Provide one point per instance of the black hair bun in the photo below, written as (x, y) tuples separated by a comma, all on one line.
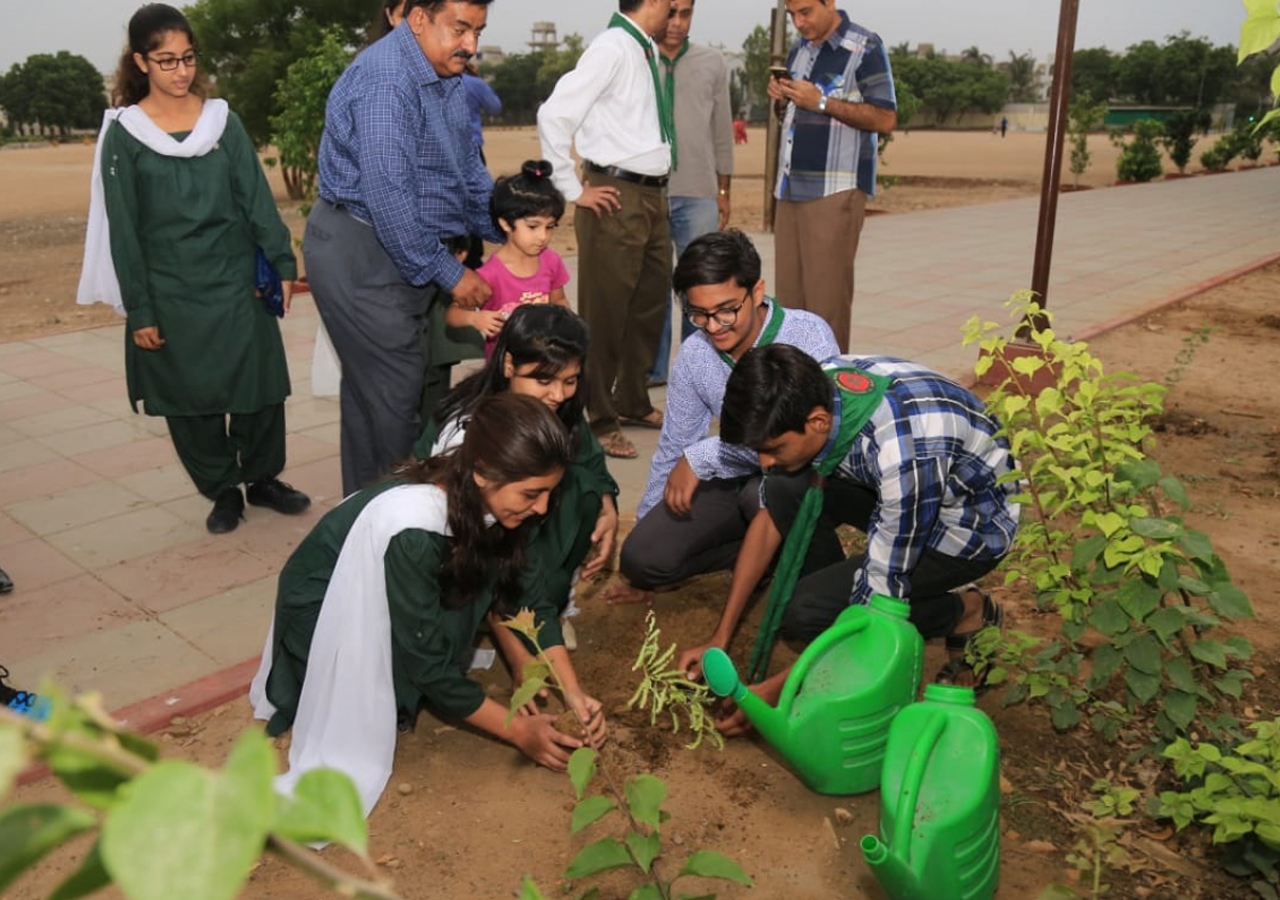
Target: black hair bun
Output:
[(536, 168)]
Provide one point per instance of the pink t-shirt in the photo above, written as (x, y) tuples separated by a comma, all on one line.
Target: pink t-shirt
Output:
[(510, 291)]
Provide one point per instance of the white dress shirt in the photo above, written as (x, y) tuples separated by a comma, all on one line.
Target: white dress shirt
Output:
[(608, 106)]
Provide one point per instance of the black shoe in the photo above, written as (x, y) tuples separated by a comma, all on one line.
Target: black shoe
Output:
[(228, 510), (6, 583), (279, 496)]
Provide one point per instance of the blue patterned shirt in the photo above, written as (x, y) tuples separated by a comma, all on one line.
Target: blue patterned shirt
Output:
[(822, 156), (695, 394), (931, 453), (397, 152)]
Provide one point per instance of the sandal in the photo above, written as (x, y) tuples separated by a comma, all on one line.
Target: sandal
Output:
[(615, 444), (957, 643), (651, 419)]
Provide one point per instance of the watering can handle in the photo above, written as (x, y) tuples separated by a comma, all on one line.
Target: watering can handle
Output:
[(837, 632), (909, 791)]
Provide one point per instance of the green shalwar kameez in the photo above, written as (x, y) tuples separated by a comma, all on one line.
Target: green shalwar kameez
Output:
[(431, 643), (183, 237)]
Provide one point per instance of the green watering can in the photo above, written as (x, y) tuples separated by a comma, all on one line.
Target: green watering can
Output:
[(939, 802), (832, 719)]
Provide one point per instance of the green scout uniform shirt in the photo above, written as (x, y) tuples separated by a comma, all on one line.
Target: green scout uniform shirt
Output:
[(183, 238)]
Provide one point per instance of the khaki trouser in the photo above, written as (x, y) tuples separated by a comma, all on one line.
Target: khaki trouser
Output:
[(815, 243), (624, 279)]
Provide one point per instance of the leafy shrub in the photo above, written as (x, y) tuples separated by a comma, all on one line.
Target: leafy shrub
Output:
[(1139, 159), (1179, 137), (1214, 160), (1083, 117)]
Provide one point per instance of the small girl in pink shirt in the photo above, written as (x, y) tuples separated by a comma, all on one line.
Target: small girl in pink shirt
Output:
[(527, 207)]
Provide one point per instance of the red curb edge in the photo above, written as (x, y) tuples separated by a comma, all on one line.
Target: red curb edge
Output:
[(1110, 325), (154, 713)]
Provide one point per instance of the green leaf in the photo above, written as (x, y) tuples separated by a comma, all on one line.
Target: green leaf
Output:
[(1141, 474), (1106, 660), (582, 768), (1196, 544), (1109, 523), (30, 830), (1229, 686), (1086, 551), (1174, 490), (1180, 707), (1210, 652), (644, 848), (1156, 529), (1181, 676), (325, 807), (1167, 622), (90, 878), (13, 756), (85, 777), (527, 691), (1144, 687), (1109, 618), (1228, 600), (601, 856), (1238, 647), (1260, 30), (1138, 598), (1064, 717), (590, 810), (709, 864), (645, 794), (647, 891), (1144, 654), (182, 831), (529, 890)]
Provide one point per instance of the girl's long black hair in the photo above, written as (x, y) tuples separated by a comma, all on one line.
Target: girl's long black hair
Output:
[(510, 438), (147, 29)]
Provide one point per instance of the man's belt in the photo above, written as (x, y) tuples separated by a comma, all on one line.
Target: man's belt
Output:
[(657, 181)]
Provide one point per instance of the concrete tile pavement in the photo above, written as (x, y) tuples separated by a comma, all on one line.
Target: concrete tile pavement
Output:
[(120, 589)]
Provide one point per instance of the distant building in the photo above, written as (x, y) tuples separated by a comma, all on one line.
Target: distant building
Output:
[(490, 56), (544, 37)]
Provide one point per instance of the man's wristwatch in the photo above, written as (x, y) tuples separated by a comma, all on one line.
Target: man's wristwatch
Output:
[(822, 104)]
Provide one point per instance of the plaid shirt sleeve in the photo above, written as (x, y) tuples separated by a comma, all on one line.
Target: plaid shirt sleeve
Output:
[(875, 76)]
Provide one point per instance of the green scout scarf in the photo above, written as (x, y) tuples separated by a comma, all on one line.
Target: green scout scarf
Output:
[(767, 336), (669, 91), (857, 394), (666, 107)]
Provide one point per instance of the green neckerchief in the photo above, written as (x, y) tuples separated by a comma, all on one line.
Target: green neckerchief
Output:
[(767, 336), (669, 92), (855, 397), (666, 109)]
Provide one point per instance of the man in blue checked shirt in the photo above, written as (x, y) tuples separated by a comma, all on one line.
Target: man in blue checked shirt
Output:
[(916, 463), (399, 174), (838, 97), (701, 493)]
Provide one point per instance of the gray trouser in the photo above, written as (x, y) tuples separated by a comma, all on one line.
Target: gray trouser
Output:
[(665, 549), (375, 321)]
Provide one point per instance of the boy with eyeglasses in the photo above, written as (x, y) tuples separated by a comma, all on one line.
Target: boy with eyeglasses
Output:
[(702, 495)]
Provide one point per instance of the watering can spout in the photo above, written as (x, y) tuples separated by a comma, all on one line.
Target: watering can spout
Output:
[(895, 877), (723, 680)]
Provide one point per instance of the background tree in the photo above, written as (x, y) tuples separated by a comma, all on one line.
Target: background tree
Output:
[(516, 82), (1179, 137), (1022, 78), (1093, 73), (556, 63), (58, 92), (248, 46), (946, 88), (1083, 116), (301, 97), (737, 93), (974, 56), (755, 65)]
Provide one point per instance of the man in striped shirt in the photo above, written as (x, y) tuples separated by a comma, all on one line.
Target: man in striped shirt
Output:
[(927, 478), (838, 96)]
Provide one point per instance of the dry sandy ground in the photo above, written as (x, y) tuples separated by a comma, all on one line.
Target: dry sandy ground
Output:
[(46, 191)]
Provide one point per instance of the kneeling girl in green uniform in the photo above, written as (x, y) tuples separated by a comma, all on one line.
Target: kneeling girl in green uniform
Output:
[(540, 353), (378, 608)]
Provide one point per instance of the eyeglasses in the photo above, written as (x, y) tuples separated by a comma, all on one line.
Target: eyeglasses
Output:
[(725, 318), (169, 63)]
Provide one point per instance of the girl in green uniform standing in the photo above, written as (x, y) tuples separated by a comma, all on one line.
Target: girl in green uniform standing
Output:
[(187, 207), (540, 352), (378, 608)]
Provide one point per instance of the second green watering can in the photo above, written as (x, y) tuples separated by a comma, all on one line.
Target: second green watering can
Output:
[(832, 718)]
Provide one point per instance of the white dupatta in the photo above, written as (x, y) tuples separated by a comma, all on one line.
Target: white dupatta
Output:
[(98, 282)]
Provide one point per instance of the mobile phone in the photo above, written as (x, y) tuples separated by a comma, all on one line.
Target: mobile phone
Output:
[(782, 73)]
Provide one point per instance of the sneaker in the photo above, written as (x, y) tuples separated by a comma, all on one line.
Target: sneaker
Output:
[(277, 495), (24, 703), (228, 510)]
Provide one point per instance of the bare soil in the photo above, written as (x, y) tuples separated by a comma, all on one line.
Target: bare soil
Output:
[(465, 817)]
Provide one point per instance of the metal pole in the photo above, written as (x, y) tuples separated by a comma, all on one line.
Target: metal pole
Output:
[(1058, 97), (773, 133)]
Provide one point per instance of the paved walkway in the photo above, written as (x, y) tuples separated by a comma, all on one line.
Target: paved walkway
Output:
[(120, 589)]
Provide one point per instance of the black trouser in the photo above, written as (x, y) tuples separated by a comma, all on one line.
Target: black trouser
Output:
[(218, 456), (827, 580)]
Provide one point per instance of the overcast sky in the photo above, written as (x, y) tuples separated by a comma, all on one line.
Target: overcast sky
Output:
[(95, 29)]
